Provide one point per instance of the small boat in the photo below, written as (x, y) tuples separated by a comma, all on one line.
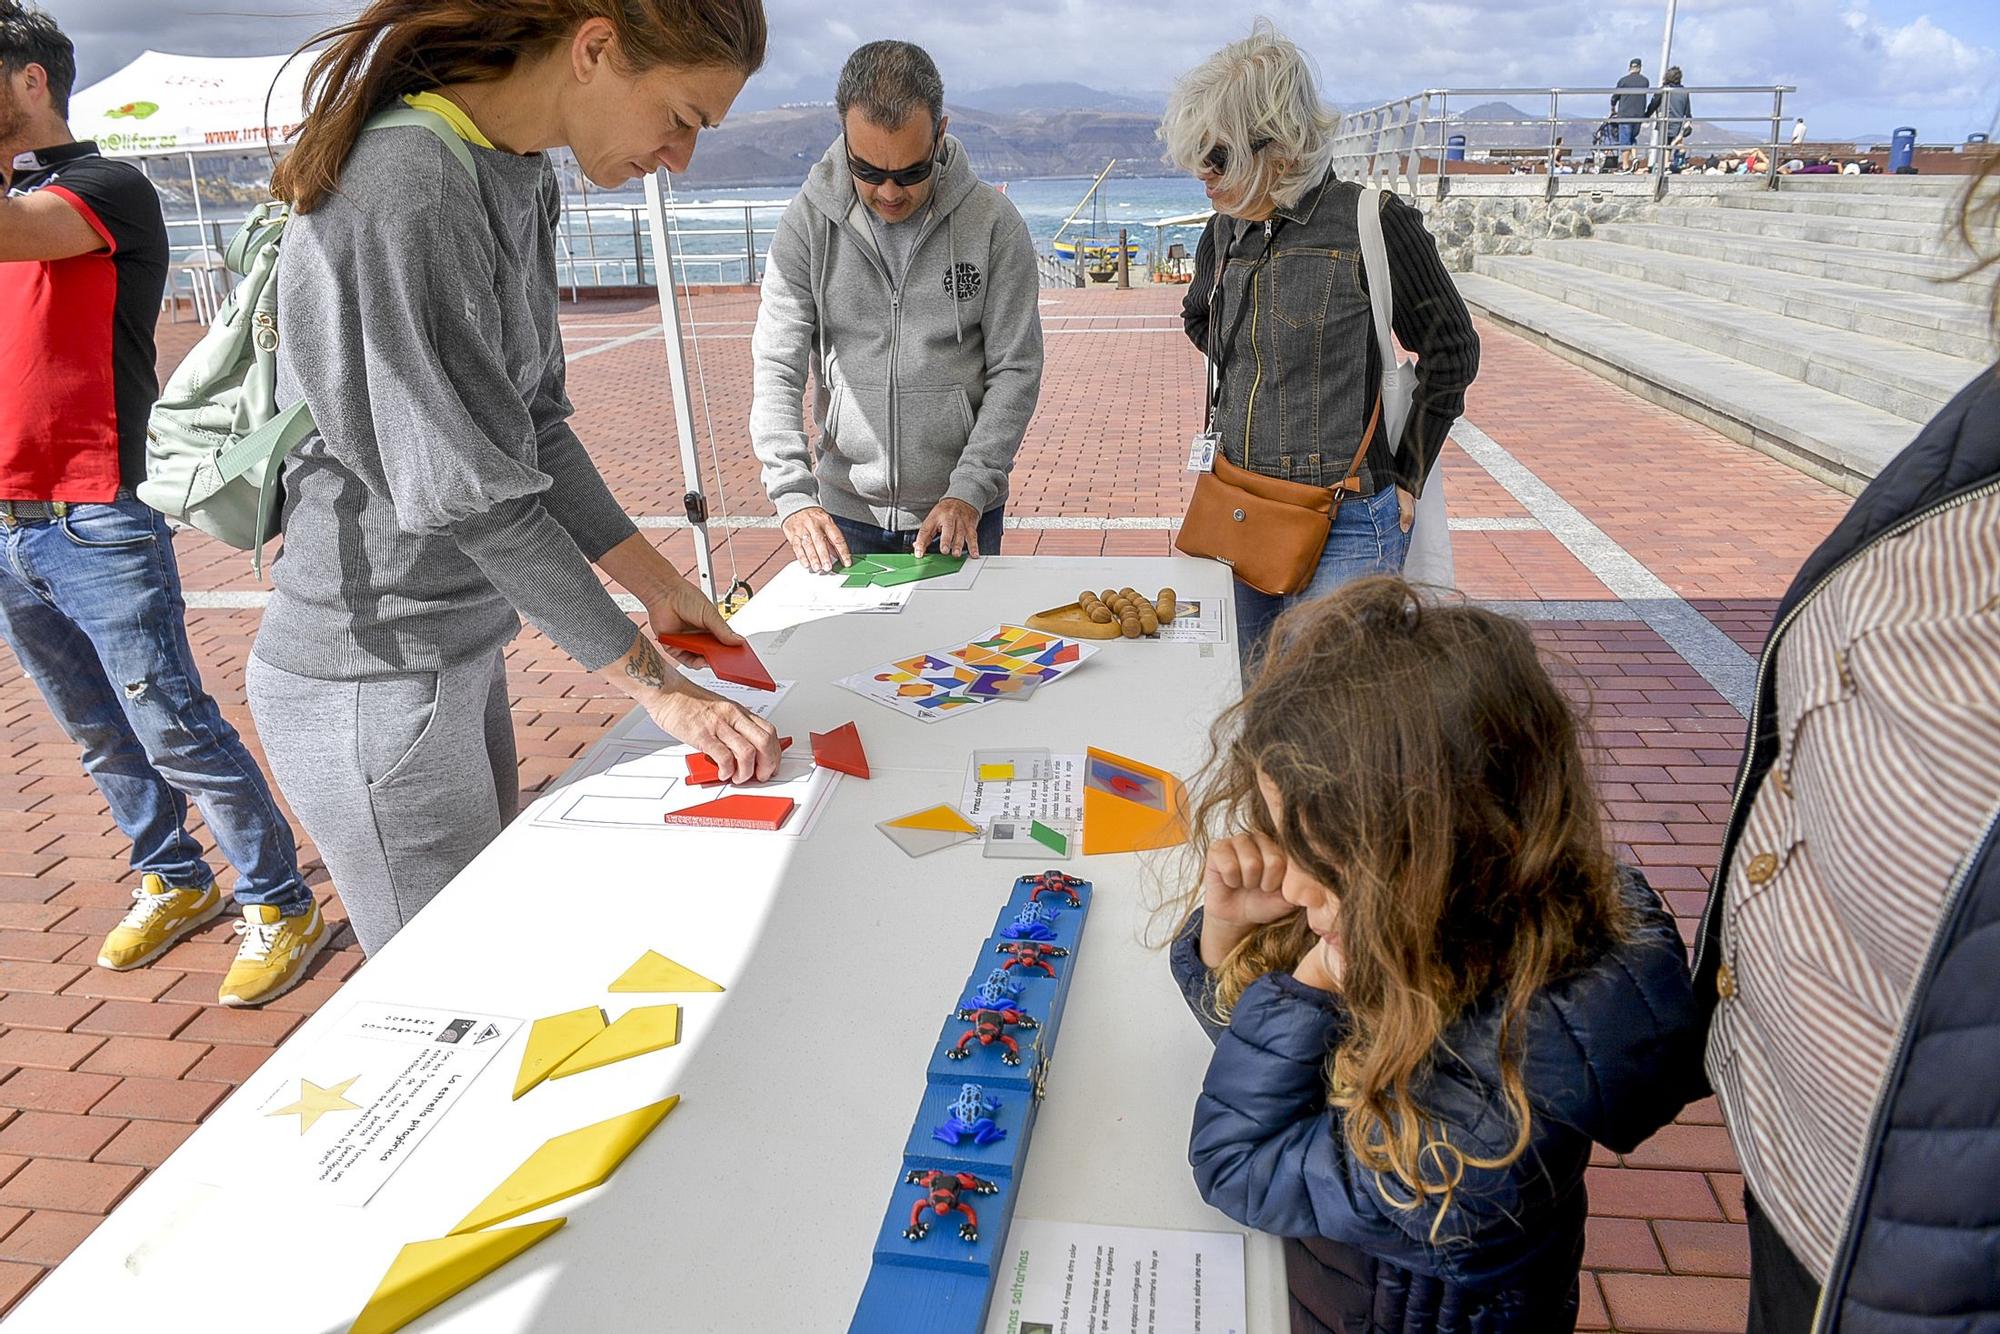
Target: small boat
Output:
[(1091, 248), (1097, 252)]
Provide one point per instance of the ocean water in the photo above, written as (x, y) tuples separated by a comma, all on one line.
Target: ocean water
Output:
[(599, 249)]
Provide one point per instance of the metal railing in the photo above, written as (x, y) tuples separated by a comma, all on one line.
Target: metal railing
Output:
[(597, 245), (1396, 144)]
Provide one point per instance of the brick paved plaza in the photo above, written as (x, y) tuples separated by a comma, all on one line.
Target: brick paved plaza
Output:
[(1648, 551)]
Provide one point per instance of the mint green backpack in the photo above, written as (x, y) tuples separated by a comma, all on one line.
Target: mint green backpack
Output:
[(216, 442)]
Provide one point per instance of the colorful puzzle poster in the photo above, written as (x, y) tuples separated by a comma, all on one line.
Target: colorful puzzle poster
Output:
[(996, 666)]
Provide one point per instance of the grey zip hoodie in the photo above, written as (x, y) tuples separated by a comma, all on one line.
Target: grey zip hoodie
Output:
[(923, 391)]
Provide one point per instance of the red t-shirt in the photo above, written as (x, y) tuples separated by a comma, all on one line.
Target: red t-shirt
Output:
[(77, 362)]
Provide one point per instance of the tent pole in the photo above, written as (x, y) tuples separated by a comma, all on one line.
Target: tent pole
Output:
[(204, 302), (695, 501)]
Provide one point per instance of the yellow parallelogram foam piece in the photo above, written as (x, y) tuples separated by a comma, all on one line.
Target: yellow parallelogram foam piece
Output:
[(941, 818), (656, 972), (554, 1040), (425, 1273), (633, 1033), (565, 1165)]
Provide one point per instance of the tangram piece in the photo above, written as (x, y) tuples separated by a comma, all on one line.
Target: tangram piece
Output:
[(702, 771), (1001, 685), (1129, 806), (737, 811), (934, 829), (902, 567), (567, 1164), (731, 662), (426, 1273), (656, 972), (633, 1033), (996, 773), (554, 1040), (840, 750), (1011, 766), (1025, 838)]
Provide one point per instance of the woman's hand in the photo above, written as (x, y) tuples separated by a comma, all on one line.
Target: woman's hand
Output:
[(1406, 509), (743, 746), (1240, 883)]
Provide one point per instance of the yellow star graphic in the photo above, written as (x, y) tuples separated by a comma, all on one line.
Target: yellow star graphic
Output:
[(315, 1102)]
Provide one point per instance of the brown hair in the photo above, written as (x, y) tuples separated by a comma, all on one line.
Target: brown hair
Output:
[(395, 47), (1979, 222), (1432, 776)]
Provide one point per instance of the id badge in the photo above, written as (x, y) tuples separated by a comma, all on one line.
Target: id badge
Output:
[(1201, 451)]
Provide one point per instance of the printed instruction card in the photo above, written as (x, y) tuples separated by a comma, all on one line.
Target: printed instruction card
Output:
[(1086, 1278)]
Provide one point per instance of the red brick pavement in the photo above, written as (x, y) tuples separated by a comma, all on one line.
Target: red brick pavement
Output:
[(102, 1075)]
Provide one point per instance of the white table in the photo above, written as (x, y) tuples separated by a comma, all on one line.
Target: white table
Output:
[(754, 1206)]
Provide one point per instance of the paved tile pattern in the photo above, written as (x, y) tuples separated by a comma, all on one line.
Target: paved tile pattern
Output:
[(102, 1075)]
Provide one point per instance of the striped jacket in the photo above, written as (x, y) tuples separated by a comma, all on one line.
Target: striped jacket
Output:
[(1917, 1249)]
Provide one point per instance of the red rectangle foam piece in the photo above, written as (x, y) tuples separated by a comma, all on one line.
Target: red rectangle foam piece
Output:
[(702, 771), (737, 811), (840, 750), (731, 662)]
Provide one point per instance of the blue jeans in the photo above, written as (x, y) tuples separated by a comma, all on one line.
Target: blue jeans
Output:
[(865, 539), (92, 599), (1367, 538)]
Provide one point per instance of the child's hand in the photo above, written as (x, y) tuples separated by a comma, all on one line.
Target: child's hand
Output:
[(1322, 967), (1241, 880)]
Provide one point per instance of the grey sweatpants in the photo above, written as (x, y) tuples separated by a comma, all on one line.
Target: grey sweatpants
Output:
[(400, 781)]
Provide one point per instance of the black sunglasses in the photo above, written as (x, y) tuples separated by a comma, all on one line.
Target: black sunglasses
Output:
[(916, 174), (1217, 161)]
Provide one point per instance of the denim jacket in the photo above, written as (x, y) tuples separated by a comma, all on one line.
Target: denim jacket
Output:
[(1286, 315)]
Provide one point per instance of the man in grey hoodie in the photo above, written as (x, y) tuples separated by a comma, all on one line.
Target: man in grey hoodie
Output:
[(909, 290)]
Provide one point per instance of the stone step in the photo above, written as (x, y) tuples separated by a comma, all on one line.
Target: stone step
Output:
[(1897, 187), (1937, 323), (1936, 211), (1841, 442), (1886, 269), (1909, 238), (1912, 383)]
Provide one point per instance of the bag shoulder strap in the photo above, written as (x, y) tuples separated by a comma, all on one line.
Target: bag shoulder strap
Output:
[(1381, 287), (400, 114)]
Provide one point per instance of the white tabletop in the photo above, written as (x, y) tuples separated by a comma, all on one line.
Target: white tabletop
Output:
[(754, 1206)]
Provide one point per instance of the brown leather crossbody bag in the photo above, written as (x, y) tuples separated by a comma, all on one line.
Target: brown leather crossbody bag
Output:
[(1270, 532)]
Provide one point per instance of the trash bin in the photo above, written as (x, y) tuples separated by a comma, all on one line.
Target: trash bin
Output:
[(1902, 147), (1454, 148), (1976, 137)]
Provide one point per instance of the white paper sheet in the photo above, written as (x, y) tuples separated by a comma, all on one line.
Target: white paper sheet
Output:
[(340, 1116), (632, 783), (1200, 621), (1084, 1278), (1058, 801)]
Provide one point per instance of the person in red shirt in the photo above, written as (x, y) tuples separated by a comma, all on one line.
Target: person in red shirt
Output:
[(90, 595)]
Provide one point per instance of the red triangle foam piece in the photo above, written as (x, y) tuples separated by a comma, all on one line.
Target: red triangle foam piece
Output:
[(731, 662), (840, 750), (737, 811), (702, 771)]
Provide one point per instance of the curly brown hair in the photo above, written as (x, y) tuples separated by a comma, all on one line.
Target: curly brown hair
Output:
[(1979, 222), (1432, 776)]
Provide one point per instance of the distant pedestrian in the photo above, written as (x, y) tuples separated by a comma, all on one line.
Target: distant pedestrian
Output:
[(90, 595), (1676, 112), (1628, 109), (1799, 130)]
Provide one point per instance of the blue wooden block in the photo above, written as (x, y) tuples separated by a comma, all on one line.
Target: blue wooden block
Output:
[(902, 1300), (943, 1248), (1016, 1118)]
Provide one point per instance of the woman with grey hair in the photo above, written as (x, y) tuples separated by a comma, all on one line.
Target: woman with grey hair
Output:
[(1279, 304)]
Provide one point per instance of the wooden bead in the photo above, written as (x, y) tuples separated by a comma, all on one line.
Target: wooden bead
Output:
[(1166, 606)]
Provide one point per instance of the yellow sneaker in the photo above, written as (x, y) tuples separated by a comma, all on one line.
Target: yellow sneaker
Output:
[(273, 956), (160, 916)]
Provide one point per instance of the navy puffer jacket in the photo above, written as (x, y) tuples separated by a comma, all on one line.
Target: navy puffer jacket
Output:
[(1612, 1053)]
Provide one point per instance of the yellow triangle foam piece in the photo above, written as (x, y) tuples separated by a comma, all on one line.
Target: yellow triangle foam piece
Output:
[(633, 1033), (552, 1041), (656, 972), (426, 1273), (565, 1165), (942, 818)]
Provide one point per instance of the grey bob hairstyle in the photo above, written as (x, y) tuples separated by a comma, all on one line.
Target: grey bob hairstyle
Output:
[(1260, 90)]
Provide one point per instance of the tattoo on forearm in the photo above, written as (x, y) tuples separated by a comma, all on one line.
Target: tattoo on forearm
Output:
[(643, 664)]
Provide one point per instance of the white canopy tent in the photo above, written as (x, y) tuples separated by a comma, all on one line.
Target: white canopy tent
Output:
[(164, 105)]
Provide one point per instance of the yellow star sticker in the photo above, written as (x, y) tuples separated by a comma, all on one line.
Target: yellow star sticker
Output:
[(315, 1102)]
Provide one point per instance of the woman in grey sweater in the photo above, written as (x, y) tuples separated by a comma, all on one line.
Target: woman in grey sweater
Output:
[(443, 494)]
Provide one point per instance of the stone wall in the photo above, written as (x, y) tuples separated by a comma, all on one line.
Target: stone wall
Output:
[(1487, 216)]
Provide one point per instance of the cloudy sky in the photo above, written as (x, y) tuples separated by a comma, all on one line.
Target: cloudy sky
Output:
[(1861, 66)]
